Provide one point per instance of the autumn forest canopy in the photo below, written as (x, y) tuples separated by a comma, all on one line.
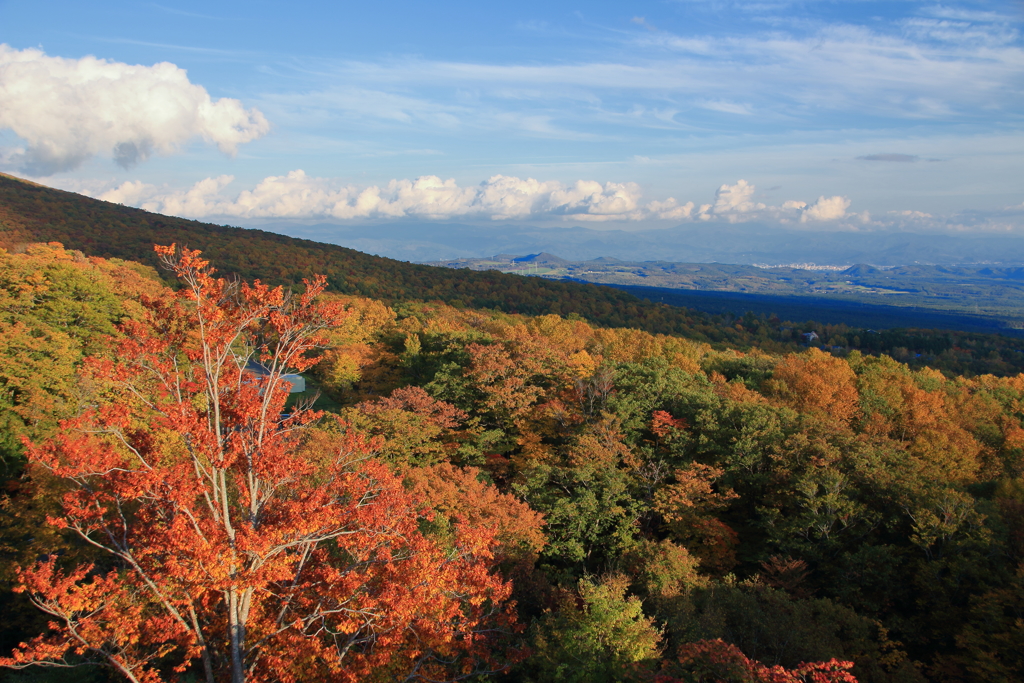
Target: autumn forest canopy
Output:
[(488, 478)]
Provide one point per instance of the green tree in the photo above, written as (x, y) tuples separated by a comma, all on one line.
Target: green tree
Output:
[(597, 634)]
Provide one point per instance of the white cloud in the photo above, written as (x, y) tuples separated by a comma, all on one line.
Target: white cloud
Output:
[(826, 209), (670, 209), (735, 199), (589, 200), (131, 192), (197, 200), (966, 14), (69, 110), (726, 107)]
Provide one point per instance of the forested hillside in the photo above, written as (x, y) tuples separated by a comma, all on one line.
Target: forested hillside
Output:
[(495, 496)]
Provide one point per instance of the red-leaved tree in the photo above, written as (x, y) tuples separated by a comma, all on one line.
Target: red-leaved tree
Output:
[(233, 546)]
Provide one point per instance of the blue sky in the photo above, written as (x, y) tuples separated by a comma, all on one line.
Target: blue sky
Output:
[(811, 115)]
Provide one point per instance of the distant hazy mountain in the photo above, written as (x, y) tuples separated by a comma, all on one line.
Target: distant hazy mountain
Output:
[(702, 243)]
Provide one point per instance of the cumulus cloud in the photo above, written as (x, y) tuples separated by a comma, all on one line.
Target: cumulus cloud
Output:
[(736, 204), (589, 200), (826, 209), (735, 199), (670, 209), (132, 192), (68, 110), (500, 197)]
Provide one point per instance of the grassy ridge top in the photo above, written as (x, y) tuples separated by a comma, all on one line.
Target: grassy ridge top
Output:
[(34, 213)]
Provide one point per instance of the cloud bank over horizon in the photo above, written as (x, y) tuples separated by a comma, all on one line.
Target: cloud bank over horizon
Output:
[(302, 198), (66, 111), (500, 197)]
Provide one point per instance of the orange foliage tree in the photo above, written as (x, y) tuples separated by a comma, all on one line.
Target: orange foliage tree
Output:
[(456, 492), (816, 382), (233, 552)]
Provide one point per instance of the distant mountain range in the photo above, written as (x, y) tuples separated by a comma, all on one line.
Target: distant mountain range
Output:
[(693, 243)]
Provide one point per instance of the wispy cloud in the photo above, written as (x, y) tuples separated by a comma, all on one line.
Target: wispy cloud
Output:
[(175, 47), (642, 21), (898, 158), (930, 69), (192, 15), (726, 107), (970, 15)]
